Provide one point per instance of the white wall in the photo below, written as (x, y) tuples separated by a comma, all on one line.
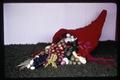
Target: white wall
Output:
[(30, 23)]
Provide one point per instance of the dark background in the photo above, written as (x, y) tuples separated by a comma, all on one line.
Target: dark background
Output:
[(14, 54)]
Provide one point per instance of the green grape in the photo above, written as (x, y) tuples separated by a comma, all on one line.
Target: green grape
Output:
[(70, 62), (78, 63), (72, 58)]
